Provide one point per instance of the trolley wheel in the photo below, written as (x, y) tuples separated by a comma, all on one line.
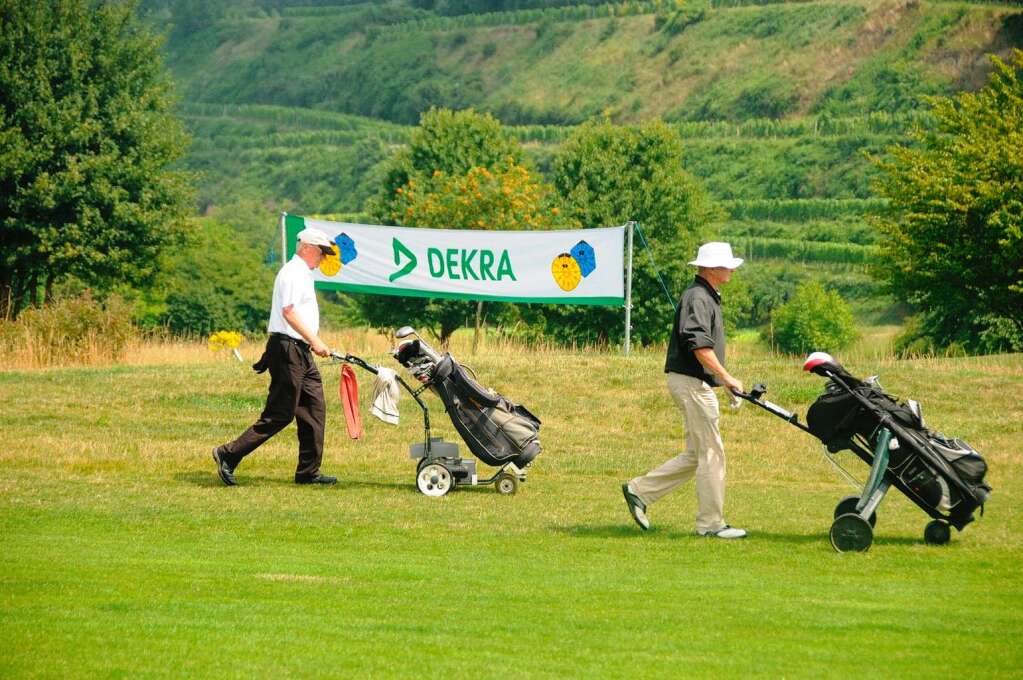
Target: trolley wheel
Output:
[(851, 533), (937, 532), (848, 505), (434, 480), (506, 485)]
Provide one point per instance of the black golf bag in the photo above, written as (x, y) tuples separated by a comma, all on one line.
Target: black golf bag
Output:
[(496, 430), (945, 477)]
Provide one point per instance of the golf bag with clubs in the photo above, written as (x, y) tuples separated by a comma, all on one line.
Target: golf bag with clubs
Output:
[(497, 431), (944, 477)]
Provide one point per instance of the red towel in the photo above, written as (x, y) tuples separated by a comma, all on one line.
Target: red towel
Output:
[(349, 389)]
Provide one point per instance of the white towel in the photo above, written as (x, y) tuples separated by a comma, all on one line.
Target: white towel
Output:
[(385, 396)]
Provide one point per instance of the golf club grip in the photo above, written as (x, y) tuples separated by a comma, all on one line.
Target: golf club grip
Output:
[(778, 411), (352, 359)]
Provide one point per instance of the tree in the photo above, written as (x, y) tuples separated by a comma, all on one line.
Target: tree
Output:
[(608, 175), (460, 171), (953, 235), (450, 141), (86, 138), (216, 282), (814, 319)]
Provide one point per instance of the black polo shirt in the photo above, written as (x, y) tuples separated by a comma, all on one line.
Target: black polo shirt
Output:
[(698, 324)]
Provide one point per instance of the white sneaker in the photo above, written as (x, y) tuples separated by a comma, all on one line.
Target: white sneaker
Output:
[(725, 532)]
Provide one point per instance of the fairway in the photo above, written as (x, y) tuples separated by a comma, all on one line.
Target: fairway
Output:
[(123, 555)]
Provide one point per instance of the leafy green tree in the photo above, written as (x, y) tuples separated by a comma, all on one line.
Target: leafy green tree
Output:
[(86, 139), (814, 319), (460, 171), (214, 282), (606, 176), (452, 142), (953, 237)]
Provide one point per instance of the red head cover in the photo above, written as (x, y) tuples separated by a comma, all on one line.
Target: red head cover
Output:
[(816, 359)]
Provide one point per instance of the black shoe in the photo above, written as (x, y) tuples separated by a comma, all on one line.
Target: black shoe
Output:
[(318, 479), (225, 471)]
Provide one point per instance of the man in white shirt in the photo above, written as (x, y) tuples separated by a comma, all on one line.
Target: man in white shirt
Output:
[(296, 390)]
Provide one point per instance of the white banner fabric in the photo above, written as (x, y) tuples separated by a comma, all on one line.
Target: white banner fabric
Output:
[(575, 267)]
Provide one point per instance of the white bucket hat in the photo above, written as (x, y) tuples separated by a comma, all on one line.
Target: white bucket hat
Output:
[(315, 237), (716, 254)]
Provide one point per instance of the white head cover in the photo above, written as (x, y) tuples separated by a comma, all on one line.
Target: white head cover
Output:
[(716, 254)]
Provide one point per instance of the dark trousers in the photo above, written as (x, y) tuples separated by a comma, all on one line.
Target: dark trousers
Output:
[(296, 393)]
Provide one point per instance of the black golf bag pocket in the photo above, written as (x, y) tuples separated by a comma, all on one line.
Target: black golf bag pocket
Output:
[(471, 390), (963, 458), (497, 435), (929, 487), (516, 424)]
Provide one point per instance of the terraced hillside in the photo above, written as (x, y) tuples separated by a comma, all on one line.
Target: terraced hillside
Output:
[(779, 103), (557, 66)]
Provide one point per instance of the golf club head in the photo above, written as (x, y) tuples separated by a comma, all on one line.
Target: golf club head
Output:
[(405, 352), (404, 332), (822, 363)]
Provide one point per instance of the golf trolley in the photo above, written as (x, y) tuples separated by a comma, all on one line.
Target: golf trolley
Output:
[(498, 432), (944, 477)]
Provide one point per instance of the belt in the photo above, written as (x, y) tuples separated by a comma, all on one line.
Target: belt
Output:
[(284, 337)]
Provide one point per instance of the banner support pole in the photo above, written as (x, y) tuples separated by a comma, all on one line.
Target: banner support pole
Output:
[(284, 239), (629, 226)]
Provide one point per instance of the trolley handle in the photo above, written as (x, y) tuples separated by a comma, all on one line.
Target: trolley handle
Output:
[(352, 359), (754, 396)]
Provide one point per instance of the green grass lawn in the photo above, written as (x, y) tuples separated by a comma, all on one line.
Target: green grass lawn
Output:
[(123, 555)]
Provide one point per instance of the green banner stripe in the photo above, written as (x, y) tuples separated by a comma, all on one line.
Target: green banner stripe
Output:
[(292, 225), (411, 292)]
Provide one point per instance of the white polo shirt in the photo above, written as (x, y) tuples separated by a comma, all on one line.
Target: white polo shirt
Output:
[(294, 286)]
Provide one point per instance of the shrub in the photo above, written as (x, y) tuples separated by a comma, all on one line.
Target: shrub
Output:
[(814, 319), (71, 330), (985, 334)]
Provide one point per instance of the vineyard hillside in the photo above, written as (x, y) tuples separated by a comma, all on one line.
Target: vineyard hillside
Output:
[(780, 104)]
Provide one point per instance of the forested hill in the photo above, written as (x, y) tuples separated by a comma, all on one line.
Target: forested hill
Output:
[(295, 104), (295, 101)]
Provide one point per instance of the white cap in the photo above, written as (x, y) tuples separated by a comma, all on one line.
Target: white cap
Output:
[(315, 237), (716, 254)]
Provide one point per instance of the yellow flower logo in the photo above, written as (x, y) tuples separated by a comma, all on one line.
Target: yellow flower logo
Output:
[(566, 272), (331, 264)]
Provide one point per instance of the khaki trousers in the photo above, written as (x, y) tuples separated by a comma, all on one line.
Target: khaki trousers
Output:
[(704, 456)]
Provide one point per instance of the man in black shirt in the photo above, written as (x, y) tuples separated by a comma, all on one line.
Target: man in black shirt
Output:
[(695, 365)]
